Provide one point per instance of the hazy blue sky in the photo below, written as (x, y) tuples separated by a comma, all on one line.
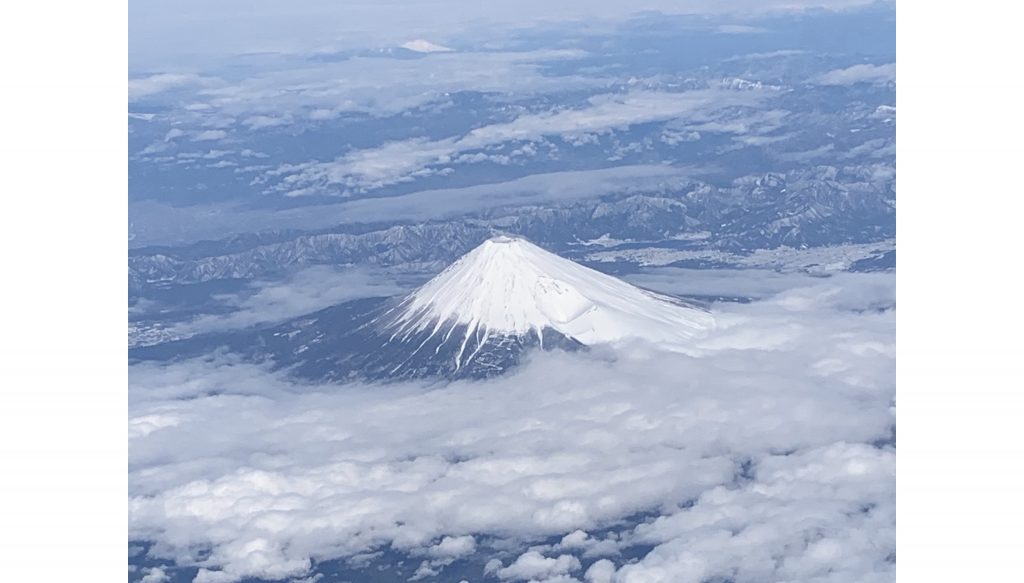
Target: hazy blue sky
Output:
[(189, 33)]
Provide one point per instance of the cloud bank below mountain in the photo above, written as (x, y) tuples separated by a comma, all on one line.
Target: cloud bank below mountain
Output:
[(765, 457)]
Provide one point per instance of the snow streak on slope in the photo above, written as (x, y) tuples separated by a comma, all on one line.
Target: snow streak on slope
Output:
[(510, 287)]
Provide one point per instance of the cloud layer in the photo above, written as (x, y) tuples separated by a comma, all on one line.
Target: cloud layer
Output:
[(876, 74), (405, 160), (761, 457)]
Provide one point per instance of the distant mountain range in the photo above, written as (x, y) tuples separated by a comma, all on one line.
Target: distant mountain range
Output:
[(821, 205)]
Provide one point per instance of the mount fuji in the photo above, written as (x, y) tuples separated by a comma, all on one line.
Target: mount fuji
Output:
[(474, 319), (510, 287)]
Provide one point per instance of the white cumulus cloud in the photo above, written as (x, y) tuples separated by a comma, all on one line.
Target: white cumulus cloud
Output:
[(533, 566)]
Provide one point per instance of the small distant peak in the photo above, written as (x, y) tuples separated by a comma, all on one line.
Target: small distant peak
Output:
[(424, 46)]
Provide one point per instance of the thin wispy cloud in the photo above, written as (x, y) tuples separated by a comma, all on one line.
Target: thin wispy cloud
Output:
[(405, 160), (864, 73), (141, 87), (306, 291)]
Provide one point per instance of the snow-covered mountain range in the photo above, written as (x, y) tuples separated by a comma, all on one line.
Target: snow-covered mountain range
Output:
[(822, 206)]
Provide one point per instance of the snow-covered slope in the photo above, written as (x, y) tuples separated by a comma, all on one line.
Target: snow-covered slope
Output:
[(510, 287)]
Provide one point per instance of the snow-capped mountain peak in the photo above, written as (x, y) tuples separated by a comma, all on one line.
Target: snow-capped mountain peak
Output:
[(424, 46), (475, 319), (508, 286)]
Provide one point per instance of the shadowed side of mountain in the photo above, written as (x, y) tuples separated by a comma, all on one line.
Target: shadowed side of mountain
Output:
[(346, 343)]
